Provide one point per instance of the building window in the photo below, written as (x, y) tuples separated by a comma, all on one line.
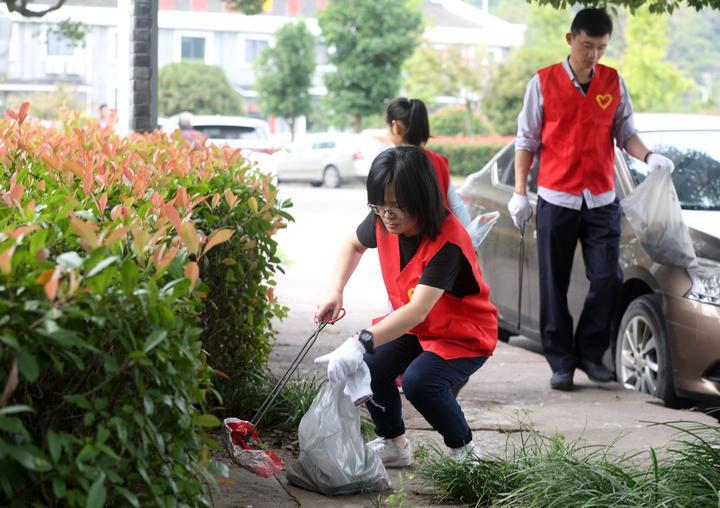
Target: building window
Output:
[(192, 48), (253, 48), (59, 45)]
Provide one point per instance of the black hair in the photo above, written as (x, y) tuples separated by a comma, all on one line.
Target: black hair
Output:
[(410, 172), (103, 105), (595, 22), (413, 115)]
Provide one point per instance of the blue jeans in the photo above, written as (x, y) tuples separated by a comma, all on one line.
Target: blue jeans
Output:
[(427, 383)]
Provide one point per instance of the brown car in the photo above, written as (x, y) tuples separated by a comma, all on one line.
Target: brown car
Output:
[(666, 339)]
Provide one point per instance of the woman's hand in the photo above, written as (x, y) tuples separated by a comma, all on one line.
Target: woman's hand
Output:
[(329, 308), (344, 360)]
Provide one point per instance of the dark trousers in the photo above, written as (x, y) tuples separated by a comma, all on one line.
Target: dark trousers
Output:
[(558, 231), (427, 382)]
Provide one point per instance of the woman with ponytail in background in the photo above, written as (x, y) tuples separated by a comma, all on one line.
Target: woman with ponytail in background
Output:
[(408, 124)]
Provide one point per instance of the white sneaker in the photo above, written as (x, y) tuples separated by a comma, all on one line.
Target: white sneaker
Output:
[(464, 453), (391, 454)]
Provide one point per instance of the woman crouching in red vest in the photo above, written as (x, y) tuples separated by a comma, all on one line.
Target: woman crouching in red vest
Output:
[(443, 326)]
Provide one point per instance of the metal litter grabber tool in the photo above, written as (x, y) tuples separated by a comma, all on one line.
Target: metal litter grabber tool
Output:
[(521, 266), (241, 438)]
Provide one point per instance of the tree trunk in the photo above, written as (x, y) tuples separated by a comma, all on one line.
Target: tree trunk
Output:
[(143, 64), (291, 123), (357, 123), (468, 118)]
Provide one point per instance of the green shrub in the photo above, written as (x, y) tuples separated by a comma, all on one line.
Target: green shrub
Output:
[(467, 154), (453, 121), (108, 251)]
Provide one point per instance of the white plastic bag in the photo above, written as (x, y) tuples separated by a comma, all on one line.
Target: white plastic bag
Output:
[(654, 212), (481, 226), (333, 458)]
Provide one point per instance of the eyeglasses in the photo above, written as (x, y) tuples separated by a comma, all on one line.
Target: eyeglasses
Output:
[(397, 212)]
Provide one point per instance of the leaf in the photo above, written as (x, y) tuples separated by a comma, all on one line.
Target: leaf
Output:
[(27, 363), (17, 408), (206, 420), (253, 204), (85, 230), (154, 339), (51, 286), (6, 259), (69, 260), (218, 237), (59, 487), (23, 112), (190, 237), (98, 493), (131, 498), (54, 445), (192, 272), (102, 265)]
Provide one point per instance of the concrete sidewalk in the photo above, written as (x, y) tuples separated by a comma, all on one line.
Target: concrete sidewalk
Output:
[(509, 391)]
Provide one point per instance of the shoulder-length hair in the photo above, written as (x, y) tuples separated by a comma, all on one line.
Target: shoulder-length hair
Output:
[(410, 172)]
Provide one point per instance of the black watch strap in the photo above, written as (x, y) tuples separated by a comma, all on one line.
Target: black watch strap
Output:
[(367, 339)]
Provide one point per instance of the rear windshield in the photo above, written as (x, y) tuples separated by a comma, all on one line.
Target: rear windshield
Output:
[(231, 132)]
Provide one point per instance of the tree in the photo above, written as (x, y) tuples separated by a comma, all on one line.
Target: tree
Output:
[(451, 71), (654, 6), (367, 41), (654, 84), (198, 88), (545, 44), (284, 74)]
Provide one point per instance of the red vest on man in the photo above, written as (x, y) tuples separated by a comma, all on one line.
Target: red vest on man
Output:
[(442, 170), (577, 149), (455, 327)]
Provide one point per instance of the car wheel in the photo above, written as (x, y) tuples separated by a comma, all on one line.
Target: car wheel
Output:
[(331, 177), (642, 359), (504, 335)]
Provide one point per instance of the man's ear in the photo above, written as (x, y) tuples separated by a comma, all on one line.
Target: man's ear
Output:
[(569, 38)]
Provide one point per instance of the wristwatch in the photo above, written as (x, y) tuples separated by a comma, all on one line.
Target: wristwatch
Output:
[(367, 339)]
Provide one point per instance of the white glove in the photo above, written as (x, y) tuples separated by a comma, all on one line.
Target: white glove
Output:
[(520, 209), (657, 161), (358, 385), (344, 360)]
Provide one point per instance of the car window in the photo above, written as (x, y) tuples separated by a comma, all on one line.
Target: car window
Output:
[(696, 155), (231, 131), (322, 144), (506, 166), (506, 169)]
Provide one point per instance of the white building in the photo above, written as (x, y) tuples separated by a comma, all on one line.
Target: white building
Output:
[(34, 57)]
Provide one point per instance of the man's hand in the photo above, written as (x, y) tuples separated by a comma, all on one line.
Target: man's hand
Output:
[(520, 209), (657, 161), (344, 360)]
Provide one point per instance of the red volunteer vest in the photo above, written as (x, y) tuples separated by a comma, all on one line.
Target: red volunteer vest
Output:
[(455, 327), (577, 138), (442, 170)]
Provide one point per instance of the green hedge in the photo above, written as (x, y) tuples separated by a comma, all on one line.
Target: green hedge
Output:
[(453, 121), (111, 252), (467, 154)]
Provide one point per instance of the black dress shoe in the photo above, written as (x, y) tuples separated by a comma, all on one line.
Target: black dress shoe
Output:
[(597, 372), (561, 381)]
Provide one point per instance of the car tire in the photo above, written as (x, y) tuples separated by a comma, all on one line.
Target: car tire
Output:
[(504, 335), (642, 358), (331, 177)]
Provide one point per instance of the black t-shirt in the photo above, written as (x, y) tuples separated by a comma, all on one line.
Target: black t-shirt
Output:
[(447, 270)]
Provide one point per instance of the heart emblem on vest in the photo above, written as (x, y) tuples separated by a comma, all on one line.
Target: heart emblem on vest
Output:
[(604, 100)]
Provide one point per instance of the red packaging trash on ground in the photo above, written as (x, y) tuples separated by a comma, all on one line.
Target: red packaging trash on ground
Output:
[(244, 447)]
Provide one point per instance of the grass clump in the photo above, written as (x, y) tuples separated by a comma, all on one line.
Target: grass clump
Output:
[(554, 472)]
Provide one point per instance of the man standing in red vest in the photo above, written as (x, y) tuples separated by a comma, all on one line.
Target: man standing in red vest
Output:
[(573, 114)]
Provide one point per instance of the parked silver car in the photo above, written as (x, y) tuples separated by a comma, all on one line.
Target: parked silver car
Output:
[(327, 159), (667, 321)]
